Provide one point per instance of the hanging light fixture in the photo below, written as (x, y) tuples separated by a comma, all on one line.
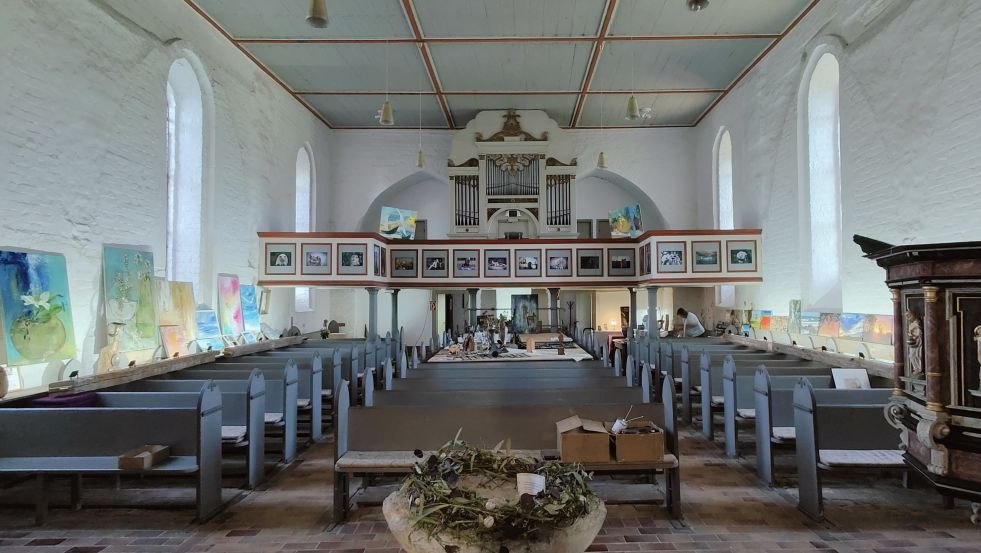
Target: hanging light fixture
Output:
[(317, 16), (697, 5), (421, 158), (633, 112), (386, 116)]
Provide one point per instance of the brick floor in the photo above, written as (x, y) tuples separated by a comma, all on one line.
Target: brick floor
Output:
[(725, 510)]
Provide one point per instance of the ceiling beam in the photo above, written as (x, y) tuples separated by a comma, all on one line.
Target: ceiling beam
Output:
[(756, 61), (256, 61), (410, 15), (587, 80), (504, 39), (505, 92)]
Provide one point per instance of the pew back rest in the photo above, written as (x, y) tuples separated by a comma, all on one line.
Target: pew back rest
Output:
[(275, 385), (236, 395), (745, 390), (306, 376), (843, 419)]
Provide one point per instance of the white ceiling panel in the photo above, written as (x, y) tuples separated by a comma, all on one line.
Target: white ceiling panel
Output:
[(671, 17), (520, 66), (344, 67), (360, 111), (286, 18), (668, 109), (674, 64), (522, 18), (558, 106)]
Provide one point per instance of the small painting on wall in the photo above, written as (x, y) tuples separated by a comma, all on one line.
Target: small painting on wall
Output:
[(878, 329), (398, 223), (175, 305), (404, 264), (250, 308), (130, 313), (497, 263), (830, 325), (230, 305), (778, 323), (316, 259), (622, 261), (852, 326), (352, 259), (434, 264), (173, 340), (466, 264), (524, 312), (590, 262), (559, 263), (376, 260), (625, 222), (810, 322), (671, 257), (706, 256), (793, 317), (280, 259), (528, 263), (209, 331), (741, 255)]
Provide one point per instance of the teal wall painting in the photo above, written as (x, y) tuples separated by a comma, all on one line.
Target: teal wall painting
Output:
[(250, 308), (130, 313)]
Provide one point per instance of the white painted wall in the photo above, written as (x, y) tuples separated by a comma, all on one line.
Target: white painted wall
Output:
[(910, 152), (83, 143)]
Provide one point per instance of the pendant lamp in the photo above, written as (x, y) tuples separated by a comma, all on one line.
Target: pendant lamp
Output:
[(317, 16), (386, 116)]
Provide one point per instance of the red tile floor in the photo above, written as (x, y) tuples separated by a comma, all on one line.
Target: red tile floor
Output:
[(725, 510)]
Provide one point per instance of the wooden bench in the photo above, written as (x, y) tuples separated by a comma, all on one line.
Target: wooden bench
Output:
[(381, 440), (738, 392), (509, 397), (242, 414), (839, 430), (281, 396), (67, 441)]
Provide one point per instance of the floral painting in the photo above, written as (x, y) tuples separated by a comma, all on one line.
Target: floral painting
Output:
[(175, 305), (130, 313), (37, 319), (230, 306), (250, 308)]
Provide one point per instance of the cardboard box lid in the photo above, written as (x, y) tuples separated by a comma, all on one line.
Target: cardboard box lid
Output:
[(639, 423), (572, 423)]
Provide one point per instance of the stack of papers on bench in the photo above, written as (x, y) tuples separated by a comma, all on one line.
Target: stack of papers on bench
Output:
[(274, 418), (232, 434)]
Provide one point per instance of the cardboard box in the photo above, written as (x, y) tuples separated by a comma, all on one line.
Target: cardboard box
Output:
[(583, 441), (144, 458), (642, 441)]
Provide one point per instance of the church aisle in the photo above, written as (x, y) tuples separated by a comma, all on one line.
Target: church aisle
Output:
[(725, 511)]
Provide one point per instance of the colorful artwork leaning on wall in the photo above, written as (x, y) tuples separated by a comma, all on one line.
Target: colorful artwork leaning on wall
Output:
[(37, 317), (130, 313)]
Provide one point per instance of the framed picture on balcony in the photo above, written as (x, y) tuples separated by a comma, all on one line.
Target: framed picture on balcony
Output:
[(352, 259), (497, 263), (466, 263), (589, 262), (434, 263), (404, 263), (741, 255), (672, 257), (622, 261), (528, 263), (706, 256), (559, 263)]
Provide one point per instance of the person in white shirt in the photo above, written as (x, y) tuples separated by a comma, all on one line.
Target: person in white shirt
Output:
[(692, 327)]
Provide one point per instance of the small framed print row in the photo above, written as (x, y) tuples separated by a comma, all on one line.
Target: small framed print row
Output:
[(707, 256), (526, 263)]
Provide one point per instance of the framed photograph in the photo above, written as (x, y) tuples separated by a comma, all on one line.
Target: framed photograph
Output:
[(466, 263), (497, 263), (671, 257), (352, 259), (741, 255), (706, 256), (280, 259), (384, 257), (315, 259), (851, 379), (528, 263), (404, 263), (559, 263), (434, 263), (622, 261), (589, 262), (645, 259)]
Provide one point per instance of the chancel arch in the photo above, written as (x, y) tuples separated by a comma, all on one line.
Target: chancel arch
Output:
[(598, 189), (421, 191)]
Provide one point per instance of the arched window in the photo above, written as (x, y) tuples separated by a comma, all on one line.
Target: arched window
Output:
[(726, 293), (185, 168), (304, 216), (823, 181)]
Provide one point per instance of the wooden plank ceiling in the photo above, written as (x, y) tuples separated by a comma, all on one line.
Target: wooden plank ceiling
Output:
[(579, 60)]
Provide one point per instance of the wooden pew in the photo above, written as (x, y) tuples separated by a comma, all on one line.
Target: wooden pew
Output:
[(509, 397), (839, 430), (381, 440), (711, 374), (529, 383), (738, 394), (281, 395), (65, 441), (243, 411)]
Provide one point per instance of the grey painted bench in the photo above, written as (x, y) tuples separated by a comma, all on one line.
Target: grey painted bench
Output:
[(243, 411), (381, 440), (529, 383), (509, 397), (839, 430), (712, 377), (281, 396), (67, 441)]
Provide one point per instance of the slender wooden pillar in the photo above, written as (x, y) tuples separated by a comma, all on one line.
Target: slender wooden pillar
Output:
[(933, 327), (472, 308), (553, 309), (632, 319), (898, 343), (372, 312), (395, 313)]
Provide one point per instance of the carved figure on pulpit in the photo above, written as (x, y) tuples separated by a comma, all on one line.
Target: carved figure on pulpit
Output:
[(914, 343)]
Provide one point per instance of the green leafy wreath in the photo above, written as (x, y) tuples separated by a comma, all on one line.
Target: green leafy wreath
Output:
[(439, 507)]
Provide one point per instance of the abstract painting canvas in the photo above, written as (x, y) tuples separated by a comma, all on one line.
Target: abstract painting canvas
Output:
[(830, 325), (173, 339), (878, 329), (398, 223), (209, 332), (130, 313), (810, 322), (229, 305), (852, 326), (37, 317), (174, 302), (778, 323), (625, 222), (793, 322), (250, 308), (524, 312)]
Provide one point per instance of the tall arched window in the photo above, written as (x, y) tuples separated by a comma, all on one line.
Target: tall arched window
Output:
[(726, 293), (823, 180), (304, 216)]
